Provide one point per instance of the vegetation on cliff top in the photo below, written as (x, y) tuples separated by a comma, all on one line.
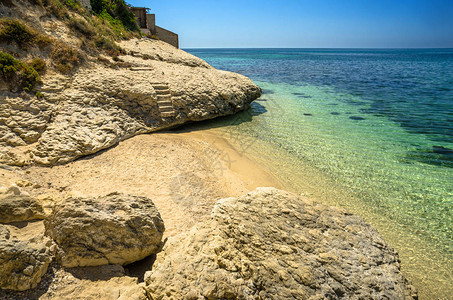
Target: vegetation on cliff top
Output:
[(116, 12), (97, 30)]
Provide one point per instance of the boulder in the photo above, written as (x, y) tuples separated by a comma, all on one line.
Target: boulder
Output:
[(271, 244), (22, 263), (15, 207), (114, 229)]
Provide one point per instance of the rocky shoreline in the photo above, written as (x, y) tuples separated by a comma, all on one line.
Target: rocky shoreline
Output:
[(162, 216), (263, 245)]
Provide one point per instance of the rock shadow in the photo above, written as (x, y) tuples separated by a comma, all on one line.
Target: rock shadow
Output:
[(245, 116), (139, 268), (267, 91), (104, 273)]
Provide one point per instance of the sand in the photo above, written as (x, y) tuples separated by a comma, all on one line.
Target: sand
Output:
[(183, 173)]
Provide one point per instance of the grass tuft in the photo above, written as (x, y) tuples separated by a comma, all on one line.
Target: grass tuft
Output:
[(65, 58), (13, 30), (82, 26), (38, 64)]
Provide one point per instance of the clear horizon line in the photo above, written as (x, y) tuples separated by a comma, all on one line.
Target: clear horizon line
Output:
[(370, 48)]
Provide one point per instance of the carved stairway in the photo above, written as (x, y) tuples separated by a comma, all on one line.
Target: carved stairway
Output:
[(164, 99)]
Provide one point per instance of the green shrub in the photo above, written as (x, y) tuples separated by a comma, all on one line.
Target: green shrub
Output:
[(38, 64), (108, 46), (82, 26), (12, 30), (15, 31), (39, 95), (56, 8), (74, 4), (16, 74), (117, 10), (65, 58), (36, 2)]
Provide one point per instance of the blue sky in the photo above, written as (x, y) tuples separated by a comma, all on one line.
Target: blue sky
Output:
[(306, 23)]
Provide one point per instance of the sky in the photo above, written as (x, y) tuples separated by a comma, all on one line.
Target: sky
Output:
[(306, 23)]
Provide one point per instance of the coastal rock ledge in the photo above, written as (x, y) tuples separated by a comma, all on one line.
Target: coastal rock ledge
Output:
[(272, 244), (153, 87)]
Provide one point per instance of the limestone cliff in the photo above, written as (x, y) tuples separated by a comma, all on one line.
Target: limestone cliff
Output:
[(93, 97), (100, 105)]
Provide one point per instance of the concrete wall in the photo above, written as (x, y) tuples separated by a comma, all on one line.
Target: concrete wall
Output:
[(167, 36), (150, 27), (140, 15), (151, 21)]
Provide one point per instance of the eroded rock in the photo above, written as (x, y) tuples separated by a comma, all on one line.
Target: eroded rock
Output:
[(15, 207), (272, 244), (22, 263), (115, 229), (101, 105)]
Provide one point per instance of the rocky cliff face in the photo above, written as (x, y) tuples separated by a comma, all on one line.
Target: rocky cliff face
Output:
[(155, 86)]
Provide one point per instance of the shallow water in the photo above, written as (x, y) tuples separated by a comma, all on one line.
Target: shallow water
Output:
[(376, 124)]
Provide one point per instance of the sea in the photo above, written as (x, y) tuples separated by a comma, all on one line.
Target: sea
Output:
[(369, 130)]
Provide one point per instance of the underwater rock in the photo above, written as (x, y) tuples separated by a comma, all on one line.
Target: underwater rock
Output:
[(356, 118)]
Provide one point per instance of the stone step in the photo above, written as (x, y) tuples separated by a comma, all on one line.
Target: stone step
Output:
[(141, 68), (160, 87), (167, 114), (162, 104), (165, 107)]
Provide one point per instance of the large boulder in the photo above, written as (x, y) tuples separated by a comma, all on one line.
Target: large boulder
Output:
[(271, 244), (22, 263), (17, 208), (114, 229)]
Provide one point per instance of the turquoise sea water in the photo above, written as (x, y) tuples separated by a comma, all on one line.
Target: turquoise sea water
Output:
[(377, 122)]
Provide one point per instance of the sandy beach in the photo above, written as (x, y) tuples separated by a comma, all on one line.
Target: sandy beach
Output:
[(184, 174)]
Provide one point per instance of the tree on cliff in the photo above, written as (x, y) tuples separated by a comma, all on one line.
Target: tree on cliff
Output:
[(115, 9)]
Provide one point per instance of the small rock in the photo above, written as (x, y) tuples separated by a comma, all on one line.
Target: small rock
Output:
[(13, 190), (22, 263), (28, 270), (6, 167), (18, 208), (23, 183)]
